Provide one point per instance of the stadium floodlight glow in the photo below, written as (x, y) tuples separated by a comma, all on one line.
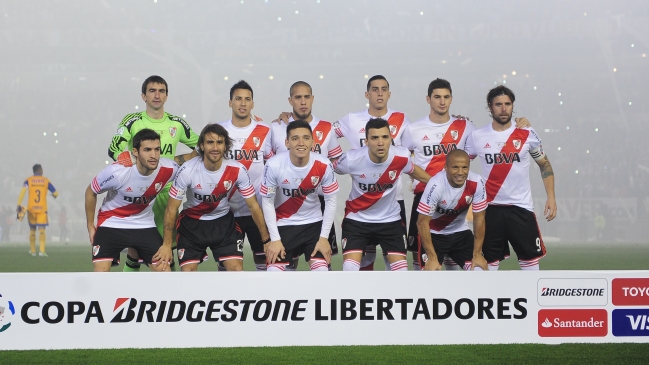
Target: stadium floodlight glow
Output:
[(225, 78), (576, 171), (321, 77), (297, 12), (567, 127), (614, 69), (367, 105), (561, 103), (559, 94), (55, 134), (421, 13), (270, 77), (137, 107), (534, 87), (513, 73), (587, 151), (279, 19), (367, 77), (559, 149), (45, 133), (57, 141), (629, 103), (632, 45), (184, 115), (596, 129)]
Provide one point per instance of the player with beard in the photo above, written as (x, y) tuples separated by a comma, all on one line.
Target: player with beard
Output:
[(505, 153), (251, 146), (324, 138)]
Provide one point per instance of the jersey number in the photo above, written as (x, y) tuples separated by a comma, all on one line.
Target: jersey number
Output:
[(37, 199)]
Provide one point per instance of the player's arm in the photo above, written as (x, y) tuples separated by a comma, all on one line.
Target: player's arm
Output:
[(258, 218), (188, 137), (52, 190), (547, 174), (419, 174), (328, 215), (91, 205), (274, 249), (478, 240), (121, 138), (283, 117), (423, 226), (21, 196), (181, 159), (522, 122), (164, 254)]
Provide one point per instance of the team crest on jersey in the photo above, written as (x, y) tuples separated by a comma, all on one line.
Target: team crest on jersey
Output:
[(517, 143), (392, 174), (158, 186), (227, 184), (256, 141), (393, 129), (172, 132), (315, 180), (454, 134), (95, 250), (318, 135), (181, 253), (424, 258), (469, 199), (344, 242)]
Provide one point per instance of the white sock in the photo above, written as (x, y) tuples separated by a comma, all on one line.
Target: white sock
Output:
[(276, 267), (450, 265), (467, 267), (351, 265), (401, 265), (530, 265), (493, 266), (318, 265), (260, 267)]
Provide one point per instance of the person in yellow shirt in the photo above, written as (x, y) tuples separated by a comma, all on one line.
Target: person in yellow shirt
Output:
[(37, 187)]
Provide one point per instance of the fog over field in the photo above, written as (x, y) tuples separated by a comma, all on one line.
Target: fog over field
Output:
[(71, 70)]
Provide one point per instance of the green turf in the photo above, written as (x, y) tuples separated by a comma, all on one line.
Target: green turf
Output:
[(450, 354), (561, 256)]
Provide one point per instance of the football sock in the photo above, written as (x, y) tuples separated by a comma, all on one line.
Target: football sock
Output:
[(131, 264), (351, 265), (318, 265), (41, 238), (32, 240), (276, 267), (493, 266), (529, 265), (401, 265)]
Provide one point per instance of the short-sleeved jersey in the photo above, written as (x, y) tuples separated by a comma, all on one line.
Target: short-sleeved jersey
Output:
[(505, 159), (325, 141), (448, 206), (431, 142), (295, 189), (172, 129), (251, 146), (208, 192), (372, 198), (129, 199), (37, 187)]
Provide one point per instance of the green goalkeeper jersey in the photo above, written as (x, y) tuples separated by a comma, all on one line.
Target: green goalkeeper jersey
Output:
[(172, 129)]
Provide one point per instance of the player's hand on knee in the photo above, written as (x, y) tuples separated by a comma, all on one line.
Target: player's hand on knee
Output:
[(432, 265), (274, 250), (283, 118), (126, 159), (522, 123), (163, 257), (479, 261), (324, 248)]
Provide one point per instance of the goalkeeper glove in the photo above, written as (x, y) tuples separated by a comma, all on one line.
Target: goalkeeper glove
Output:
[(126, 159), (20, 213)]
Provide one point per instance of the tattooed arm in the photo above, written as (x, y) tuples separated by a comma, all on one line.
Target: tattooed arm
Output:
[(547, 174)]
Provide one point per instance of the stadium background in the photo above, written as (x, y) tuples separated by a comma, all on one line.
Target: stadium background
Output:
[(71, 70)]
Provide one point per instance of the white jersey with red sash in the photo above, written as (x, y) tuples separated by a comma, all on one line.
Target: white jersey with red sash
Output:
[(505, 159), (325, 141), (208, 192), (128, 202), (431, 142), (372, 198), (448, 206), (251, 146), (295, 189)]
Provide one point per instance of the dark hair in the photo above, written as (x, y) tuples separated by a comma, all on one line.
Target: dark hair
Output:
[(37, 167), (155, 79), (144, 135), (241, 85), (439, 84), (300, 83), (376, 77), (220, 131), (300, 123), (498, 91), (376, 123)]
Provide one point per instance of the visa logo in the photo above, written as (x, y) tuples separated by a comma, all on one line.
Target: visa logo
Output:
[(630, 322)]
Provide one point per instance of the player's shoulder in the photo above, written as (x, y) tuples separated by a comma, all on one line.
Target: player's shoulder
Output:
[(167, 162), (473, 176), (319, 158), (400, 151), (225, 123), (130, 119), (234, 164), (179, 120), (277, 160), (260, 125)]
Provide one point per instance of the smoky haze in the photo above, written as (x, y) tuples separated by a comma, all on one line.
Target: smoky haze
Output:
[(71, 70)]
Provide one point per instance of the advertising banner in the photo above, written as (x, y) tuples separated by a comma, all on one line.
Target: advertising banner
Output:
[(221, 309)]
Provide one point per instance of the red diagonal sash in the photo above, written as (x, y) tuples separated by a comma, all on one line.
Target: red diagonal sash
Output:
[(436, 163), (370, 198), (163, 177), (293, 204), (260, 132), (231, 173), (396, 119), (322, 128), (499, 172), (441, 222)]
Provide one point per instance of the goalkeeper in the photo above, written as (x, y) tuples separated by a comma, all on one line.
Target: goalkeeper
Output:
[(172, 130)]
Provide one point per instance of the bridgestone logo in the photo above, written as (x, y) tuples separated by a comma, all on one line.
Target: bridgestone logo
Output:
[(576, 292)]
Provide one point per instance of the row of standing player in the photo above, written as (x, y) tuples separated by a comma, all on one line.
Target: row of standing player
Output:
[(243, 124)]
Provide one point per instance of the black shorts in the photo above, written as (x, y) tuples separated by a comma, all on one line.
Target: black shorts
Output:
[(402, 214), (413, 232), (248, 228), (332, 233), (458, 245), (220, 235), (300, 239), (516, 225), (390, 236), (109, 242)]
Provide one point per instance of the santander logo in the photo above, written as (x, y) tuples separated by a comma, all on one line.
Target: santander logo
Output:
[(573, 323)]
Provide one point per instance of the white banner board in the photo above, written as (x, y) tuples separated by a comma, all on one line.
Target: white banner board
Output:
[(216, 309)]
